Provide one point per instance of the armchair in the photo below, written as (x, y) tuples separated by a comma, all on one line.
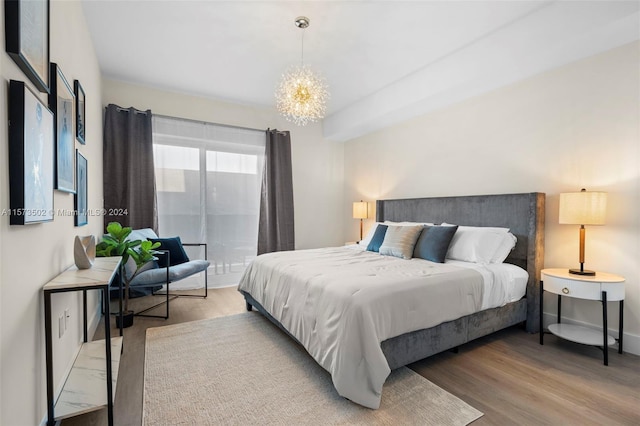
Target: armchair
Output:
[(173, 265)]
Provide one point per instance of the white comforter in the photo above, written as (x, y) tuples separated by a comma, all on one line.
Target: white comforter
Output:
[(341, 303)]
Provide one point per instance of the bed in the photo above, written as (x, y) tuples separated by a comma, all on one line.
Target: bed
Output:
[(360, 364)]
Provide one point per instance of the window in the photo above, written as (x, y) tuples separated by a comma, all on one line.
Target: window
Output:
[(208, 182)]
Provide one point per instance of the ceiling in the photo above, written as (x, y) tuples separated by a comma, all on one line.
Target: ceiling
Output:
[(384, 61)]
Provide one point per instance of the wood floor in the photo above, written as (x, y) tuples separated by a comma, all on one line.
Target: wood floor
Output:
[(508, 375)]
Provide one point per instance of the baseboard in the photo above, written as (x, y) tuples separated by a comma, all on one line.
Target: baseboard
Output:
[(631, 342)]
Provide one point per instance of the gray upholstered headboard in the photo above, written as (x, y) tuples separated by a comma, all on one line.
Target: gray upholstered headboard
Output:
[(522, 213)]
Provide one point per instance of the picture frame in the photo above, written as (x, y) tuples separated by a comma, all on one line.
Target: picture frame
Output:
[(62, 103), (80, 111), (31, 157), (80, 198), (27, 38)]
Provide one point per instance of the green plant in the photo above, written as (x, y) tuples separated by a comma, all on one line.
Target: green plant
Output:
[(115, 243)]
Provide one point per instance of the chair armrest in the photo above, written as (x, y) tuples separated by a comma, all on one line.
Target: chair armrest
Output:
[(163, 252), (196, 245)]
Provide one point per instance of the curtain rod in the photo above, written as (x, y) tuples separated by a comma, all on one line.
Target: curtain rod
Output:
[(137, 111), (208, 122)]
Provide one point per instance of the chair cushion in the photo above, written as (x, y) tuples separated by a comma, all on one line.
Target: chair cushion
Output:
[(176, 251), (176, 273)]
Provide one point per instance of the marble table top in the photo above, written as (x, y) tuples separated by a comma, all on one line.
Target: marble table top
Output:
[(101, 273)]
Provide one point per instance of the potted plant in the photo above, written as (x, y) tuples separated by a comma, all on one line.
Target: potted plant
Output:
[(115, 243)]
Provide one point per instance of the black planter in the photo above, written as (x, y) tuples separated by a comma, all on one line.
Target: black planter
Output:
[(127, 319)]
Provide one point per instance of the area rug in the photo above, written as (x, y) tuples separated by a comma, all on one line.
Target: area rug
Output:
[(242, 369)]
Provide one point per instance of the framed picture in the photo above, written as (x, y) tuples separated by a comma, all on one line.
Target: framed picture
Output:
[(80, 111), (80, 199), (62, 102), (30, 157), (27, 38)]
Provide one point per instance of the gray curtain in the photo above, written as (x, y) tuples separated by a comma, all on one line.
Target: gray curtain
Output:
[(275, 229), (129, 178)]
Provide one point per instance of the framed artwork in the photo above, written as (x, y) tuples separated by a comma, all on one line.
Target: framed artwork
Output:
[(80, 111), (31, 164), (62, 102), (80, 199), (27, 38)]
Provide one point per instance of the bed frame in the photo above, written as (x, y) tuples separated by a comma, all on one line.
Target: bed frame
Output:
[(522, 213)]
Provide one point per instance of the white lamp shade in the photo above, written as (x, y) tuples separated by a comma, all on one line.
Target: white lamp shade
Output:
[(583, 208), (360, 210)]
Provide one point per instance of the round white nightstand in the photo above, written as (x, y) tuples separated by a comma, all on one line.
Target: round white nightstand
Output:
[(602, 287)]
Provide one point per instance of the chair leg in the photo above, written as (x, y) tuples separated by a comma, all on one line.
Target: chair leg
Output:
[(140, 314), (206, 289), (167, 317)]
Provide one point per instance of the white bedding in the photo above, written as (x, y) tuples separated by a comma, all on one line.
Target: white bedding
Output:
[(340, 303)]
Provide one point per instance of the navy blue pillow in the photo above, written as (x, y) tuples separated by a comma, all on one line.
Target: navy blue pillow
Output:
[(433, 242), (378, 238), (177, 255)]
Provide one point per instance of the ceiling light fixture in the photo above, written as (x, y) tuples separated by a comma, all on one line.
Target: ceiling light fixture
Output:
[(302, 94)]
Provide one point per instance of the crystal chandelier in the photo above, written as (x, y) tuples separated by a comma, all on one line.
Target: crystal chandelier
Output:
[(302, 94)]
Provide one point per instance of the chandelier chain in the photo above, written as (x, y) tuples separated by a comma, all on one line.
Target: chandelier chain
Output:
[(302, 52)]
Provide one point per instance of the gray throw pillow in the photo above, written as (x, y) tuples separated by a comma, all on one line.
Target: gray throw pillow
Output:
[(434, 242), (400, 240)]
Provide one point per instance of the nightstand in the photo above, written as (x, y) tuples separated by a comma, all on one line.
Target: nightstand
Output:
[(602, 287)]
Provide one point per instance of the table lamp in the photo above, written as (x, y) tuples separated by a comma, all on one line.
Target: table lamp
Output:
[(582, 208), (360, 212)]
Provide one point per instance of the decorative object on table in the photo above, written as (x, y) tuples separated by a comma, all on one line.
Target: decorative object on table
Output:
[(583, 208), (115, 243), (30, 157), (62, 103), (84, 251), (27, 38), (360, 212), (80, 111), (81, 216), (302, 94)]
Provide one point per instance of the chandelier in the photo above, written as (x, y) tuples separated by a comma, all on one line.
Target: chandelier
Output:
[(302, 94)]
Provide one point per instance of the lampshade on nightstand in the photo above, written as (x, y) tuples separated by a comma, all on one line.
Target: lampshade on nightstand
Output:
[(360, 211), (583, 208)]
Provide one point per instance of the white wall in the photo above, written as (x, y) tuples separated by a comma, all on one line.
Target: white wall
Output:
[(573, 127), (32, 255), (317, 163)]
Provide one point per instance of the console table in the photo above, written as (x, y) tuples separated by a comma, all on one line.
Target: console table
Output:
[(84, 389)]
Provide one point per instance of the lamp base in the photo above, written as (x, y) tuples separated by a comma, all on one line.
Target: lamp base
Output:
[(582, 272)]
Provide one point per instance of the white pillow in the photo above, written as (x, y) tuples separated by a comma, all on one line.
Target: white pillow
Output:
[(508, 243), (367, 238), (476, 244), (399, 241), (388, 222)]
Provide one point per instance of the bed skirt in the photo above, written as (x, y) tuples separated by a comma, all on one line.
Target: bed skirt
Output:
[(416, 345)]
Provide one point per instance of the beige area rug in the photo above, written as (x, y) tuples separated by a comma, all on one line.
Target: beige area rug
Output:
[(242, 369)]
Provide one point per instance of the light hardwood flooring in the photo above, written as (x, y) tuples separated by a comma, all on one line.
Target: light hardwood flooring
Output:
[(508, 375)]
